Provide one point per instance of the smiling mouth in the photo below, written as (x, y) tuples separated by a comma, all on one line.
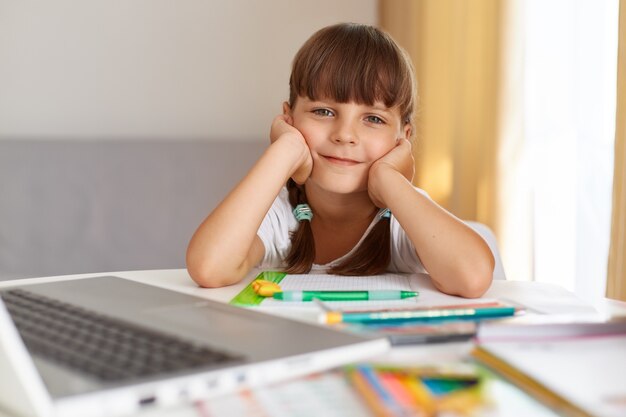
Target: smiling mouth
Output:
[(340, 161)]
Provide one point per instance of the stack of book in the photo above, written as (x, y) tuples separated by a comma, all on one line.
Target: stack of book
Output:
[(575, 368)]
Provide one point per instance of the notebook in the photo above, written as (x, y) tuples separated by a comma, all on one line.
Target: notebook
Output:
[(576, 376), (109, 346)]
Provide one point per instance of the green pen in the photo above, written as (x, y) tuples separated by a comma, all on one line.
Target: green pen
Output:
[(344, 295)]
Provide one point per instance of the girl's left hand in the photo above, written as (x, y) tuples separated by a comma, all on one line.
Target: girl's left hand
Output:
[(398, 159)]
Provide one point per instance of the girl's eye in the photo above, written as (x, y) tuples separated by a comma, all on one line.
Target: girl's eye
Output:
[(375, 119), (323, 112)]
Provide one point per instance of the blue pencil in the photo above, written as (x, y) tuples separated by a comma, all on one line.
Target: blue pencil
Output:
[(387, 399)]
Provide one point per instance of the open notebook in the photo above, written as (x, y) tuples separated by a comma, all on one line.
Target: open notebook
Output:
[(429, 297)]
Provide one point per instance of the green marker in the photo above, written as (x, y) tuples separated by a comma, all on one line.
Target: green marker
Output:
[(344, 295)]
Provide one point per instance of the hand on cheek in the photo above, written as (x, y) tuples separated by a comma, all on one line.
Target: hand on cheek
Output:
[(400, 160), (281, 125), (283, 129)]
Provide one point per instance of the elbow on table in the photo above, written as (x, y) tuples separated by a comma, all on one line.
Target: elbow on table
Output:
[(209, 274), (472, 283), (475, 288), (475, 284), (471, 288)]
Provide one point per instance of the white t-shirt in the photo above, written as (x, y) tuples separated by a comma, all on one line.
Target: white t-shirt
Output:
[(279, 222)]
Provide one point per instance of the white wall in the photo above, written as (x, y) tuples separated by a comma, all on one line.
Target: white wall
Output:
[(120, 69)]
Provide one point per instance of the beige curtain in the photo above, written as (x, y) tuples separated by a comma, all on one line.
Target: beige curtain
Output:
[(454, 47), (468, 129), (616, 278)]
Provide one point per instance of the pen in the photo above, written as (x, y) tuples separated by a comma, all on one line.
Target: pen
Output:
[(344, 295), (418, 315)]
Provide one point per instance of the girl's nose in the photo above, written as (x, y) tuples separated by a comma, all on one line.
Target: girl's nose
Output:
[(345, 133)]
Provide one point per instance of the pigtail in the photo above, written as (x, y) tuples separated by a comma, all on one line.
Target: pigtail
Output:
[(373, 255), (302, 254)]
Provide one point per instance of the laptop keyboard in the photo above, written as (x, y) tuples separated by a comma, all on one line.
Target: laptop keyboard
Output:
[(108, 349)]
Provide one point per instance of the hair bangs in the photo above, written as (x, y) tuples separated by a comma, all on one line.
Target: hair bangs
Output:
[(356, 63)]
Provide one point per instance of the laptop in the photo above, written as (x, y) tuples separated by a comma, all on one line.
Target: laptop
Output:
[(108, 346)]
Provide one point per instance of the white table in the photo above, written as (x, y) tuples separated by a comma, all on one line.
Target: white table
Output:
[(538, 297)]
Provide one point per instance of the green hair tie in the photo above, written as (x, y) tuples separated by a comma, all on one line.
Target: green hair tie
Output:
[(303, 212)]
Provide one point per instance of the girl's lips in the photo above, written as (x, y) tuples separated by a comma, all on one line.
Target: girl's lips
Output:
[(339, 161)]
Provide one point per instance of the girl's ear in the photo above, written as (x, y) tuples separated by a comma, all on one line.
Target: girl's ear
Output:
[(286, 109), (287, 113), (407, 131)]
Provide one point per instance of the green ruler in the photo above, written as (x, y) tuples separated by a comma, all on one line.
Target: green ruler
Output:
[(248, 298)]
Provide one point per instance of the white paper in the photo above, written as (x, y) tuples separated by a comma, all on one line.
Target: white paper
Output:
[(428, 296)]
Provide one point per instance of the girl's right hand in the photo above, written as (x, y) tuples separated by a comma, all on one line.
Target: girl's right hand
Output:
[(282, 128)]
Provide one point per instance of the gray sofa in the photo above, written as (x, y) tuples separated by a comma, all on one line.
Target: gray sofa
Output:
[(88, 206)]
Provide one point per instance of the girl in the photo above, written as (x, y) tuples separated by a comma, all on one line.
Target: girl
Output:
[(342, 147)]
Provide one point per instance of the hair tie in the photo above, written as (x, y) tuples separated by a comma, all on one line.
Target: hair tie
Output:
[(384, 213), (303, 212)]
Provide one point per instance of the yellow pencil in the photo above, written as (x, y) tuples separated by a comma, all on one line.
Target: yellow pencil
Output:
[(420, 394), (464, 402)]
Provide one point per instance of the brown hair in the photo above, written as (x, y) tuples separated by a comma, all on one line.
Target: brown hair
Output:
[(349, 62), (354, 62)]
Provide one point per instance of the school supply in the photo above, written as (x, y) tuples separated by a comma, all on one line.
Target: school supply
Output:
[(398, 332), (344, 295), (552, 370), (545, 327), (265, 288), (259, 293), (363, 390), (429, 296), (418, 333), (417, 315), (427, 391), (271, 289), (403, 332), (110, 346)]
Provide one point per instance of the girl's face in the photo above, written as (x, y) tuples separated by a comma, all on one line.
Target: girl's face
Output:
[(345, 139)]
